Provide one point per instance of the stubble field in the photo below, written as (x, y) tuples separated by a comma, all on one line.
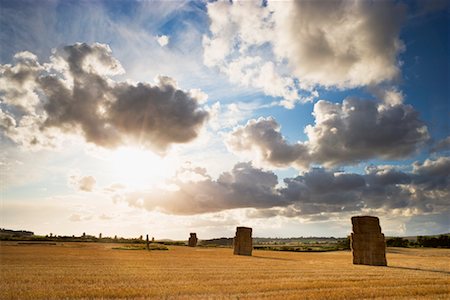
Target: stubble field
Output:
[(95, 270)]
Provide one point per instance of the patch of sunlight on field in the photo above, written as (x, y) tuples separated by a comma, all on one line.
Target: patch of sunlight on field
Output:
[(94, 270)]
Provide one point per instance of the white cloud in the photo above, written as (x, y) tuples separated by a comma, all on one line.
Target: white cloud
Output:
[(235, 30), (339, 43), (343, 44), (163, 40)]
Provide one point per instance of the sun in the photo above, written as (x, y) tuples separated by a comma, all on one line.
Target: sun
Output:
[(140, 168)]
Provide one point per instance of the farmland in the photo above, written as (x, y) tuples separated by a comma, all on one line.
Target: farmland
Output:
[(96, 270)]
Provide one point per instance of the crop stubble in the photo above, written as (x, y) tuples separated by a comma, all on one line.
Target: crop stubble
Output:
[(94, 270)]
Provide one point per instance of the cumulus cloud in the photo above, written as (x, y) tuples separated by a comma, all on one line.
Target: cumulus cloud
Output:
[(263, 136), (17, 82), (314, 193), (237, 31), (75, 94), (350, 132), (342, 44), (244, 186), (433, 174), (357, 130), (339, 43), (82, 183)]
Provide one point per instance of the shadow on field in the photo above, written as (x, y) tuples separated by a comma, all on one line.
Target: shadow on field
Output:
[(273, 258), (418, 269)]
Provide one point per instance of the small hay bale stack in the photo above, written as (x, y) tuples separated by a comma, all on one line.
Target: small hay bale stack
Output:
[(193, 240), (367, 242), (243, 241)]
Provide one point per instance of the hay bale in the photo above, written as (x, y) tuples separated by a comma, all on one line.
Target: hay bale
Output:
[(193, 240), (366, 224), (243, 241), (367, 242)]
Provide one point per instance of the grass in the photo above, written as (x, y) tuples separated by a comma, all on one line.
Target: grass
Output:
[(94, 270)]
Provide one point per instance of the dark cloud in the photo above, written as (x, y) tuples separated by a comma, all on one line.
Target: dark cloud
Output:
[(382, 176), (244, 186), (345, 133), (159, 114), (357, 130), (433, 174), (76, 94), (313, 193)]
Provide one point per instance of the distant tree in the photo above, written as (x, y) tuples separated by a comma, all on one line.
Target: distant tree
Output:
[(443, 241), (397, 242), (344, 244)]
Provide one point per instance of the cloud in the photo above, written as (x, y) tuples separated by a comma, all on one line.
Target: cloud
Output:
[(75, 94), (105, 217), (357, 130), (263, 136), (163, 40), (235, 29), (339, 43), (314, 193), (244, 186), (433, 174), (75, 218), (156, 116), (79, 218), (350, 132), (82, 183), (17, 81), (343, 44), (441, 145)]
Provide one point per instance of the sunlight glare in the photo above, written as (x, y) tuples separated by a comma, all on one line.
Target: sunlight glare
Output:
[(140, 168)]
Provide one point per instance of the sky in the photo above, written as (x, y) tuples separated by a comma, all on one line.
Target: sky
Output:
[(169, 117)]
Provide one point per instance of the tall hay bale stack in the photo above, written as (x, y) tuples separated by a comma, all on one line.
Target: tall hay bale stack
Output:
[(193, 240), (243, 241), (367, 242)]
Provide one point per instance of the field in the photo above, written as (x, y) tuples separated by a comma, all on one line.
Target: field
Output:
[(96, 270)]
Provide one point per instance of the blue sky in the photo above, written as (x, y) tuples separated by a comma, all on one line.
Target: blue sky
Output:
[(289, 118)]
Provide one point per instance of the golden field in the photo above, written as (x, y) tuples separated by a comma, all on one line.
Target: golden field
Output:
[(95, 270)]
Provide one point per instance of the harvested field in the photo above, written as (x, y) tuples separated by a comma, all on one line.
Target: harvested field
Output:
[(95, 270)]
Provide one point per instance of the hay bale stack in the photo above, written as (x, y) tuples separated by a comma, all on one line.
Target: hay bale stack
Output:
[(367, 242), (243, 241), (193, 240)]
